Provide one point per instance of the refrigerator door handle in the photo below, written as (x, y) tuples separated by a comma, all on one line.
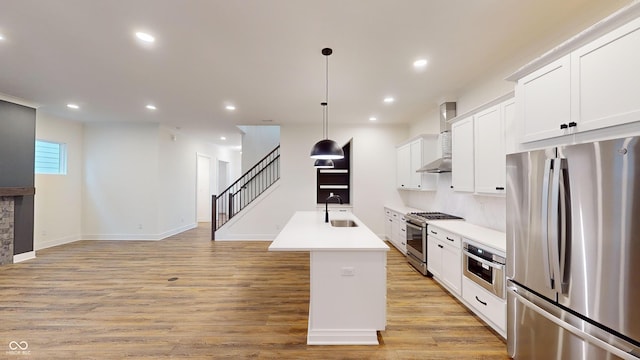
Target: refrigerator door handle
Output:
[(544, 218), (555, 224), (565, 226), (626, 355)]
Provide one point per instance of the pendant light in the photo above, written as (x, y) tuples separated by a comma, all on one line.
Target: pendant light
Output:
[(326, 149), (324, 163)]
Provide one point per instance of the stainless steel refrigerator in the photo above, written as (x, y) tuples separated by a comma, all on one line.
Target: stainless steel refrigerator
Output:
[(573, 252)]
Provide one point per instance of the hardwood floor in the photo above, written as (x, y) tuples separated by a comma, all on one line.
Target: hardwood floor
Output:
[(231, 300)]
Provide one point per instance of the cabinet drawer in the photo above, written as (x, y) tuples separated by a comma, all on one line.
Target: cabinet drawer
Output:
[(491, 307), (444, 236)]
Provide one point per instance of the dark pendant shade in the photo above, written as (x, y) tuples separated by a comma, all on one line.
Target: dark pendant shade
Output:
[(323, 164), (326, 150)]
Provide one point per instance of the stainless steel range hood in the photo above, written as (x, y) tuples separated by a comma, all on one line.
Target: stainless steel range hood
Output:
[(447, 112)]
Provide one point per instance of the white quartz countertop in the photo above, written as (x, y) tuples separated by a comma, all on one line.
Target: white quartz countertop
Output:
[(494, 239), (402, 209), (307, 231)]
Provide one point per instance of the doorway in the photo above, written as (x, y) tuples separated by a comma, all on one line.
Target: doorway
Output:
[(223, 175)]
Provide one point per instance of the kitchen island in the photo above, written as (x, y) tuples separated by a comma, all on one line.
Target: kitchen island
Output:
[(348, 277)]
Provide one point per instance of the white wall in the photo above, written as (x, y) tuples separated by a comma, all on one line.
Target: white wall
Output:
[(373, 179), (58, 199), (258, 141), (120, 198), (135, 174)]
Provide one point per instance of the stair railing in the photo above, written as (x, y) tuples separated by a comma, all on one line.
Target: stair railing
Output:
[(245, 190)]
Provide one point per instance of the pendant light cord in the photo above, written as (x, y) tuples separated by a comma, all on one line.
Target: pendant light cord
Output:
[(326, 97)]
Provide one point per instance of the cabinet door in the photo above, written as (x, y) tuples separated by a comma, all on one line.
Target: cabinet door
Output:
[(403, 162), (544, 99), (434, 256), (606, 79), (452, 268), (489, 151), (416, 163), (511, 135), (462, 166), (388, 228)]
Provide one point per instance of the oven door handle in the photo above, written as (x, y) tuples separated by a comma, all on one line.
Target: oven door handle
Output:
[(483, 261), (413, 226)]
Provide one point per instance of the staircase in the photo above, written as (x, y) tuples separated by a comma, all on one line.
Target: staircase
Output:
[(244, 190)]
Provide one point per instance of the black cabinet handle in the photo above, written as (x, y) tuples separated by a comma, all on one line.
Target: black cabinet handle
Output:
[(499, 187), (563, 126), (451, 186), (572, 124), (440, 246), (481, 302), (433, 232), (448, 238)]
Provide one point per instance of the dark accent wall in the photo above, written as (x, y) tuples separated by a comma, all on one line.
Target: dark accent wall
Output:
[(17, 154), (336, 179)]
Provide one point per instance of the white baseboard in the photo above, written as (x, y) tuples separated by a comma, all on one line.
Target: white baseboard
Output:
[(55, 242), (140, 237), (244, 237), (24, 256), (178, 230)]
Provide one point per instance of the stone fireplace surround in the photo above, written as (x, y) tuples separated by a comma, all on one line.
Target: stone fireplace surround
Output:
[(7, 220)]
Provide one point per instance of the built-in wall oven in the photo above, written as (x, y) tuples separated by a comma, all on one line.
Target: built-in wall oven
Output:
[(416, 225), (484, 267)]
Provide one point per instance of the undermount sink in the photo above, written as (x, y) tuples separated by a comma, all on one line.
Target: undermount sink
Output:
[(343, 223)]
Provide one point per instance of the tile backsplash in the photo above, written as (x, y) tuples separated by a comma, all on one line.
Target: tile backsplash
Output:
[(487, 211)]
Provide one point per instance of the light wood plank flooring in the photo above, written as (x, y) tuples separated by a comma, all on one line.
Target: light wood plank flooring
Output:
[(231, 300)]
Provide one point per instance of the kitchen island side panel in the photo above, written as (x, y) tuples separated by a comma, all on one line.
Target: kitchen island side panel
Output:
[(348, 296)]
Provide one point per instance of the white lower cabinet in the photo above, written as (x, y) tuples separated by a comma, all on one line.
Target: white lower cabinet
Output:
[(444, 262), (395, 230), (489, 307), (444, 258)]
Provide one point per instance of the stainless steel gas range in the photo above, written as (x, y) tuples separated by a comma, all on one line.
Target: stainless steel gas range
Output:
[(416, 223)]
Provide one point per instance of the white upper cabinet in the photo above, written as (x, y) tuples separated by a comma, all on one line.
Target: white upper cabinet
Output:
[(544, 101), (489, 151), (605, 77), (411, 157), (403, 169), (592, 86), (462, 163)]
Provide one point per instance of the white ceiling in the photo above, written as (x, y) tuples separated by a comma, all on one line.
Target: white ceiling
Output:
[(264, 56)]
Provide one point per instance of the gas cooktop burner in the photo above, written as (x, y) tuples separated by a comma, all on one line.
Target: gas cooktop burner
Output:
[(435, 216)]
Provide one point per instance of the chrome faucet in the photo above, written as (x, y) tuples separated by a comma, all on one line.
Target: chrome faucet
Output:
[(326, 206)]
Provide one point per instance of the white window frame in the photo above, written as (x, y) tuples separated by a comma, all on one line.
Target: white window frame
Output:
[(60, 165)]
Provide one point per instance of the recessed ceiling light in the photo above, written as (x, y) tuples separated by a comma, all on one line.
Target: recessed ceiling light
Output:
[(145, 37), (420, 63), (73, 106), (389, 99), (151, 107), (230, 107), (373, 118), (1, 37), (223, 138)]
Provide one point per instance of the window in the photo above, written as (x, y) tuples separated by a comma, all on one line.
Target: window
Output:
[(51, 158)]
